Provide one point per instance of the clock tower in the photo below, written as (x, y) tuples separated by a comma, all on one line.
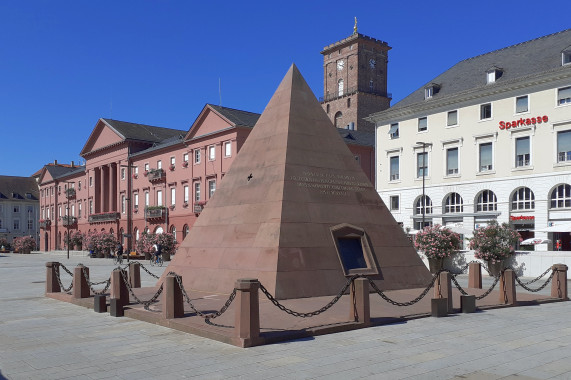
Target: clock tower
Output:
[(355, 81)]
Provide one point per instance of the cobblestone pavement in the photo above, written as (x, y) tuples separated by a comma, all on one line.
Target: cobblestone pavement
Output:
[(41, 338)]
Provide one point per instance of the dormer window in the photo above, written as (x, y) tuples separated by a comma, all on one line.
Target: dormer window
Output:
[(493, 74), (566, 56), (430, 90)]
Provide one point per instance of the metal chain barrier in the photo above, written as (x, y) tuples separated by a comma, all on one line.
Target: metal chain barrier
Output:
[(149, 272), (198, 312), (408, 303), (145, 304), (489, 290), (65, 290), (313, 313), (92, 284), (455, 281), (535, 279), (523, 285)]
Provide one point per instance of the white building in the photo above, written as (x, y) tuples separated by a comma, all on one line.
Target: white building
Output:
[(19, 208), (490, 138)]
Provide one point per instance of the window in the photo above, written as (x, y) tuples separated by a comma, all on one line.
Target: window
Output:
[(136, 170), (371, 85), (122, 174), (394, 131), (159, 197), (422, 164), (185, 231), (147, 198), (197, 191), (340, 87), (452, 161), (348, 102), (136, 200), (523, 199), (172, 160), (394, 202), (147, 167), (564, 96), (30, 224), (428, 92), (452, 118), (522, 157), (453, 203), (425, 203), (422, 124), (16, 209), (566, 57), (486, 111), (564, 146), (90, 206), (561, 196), (395, 169), (211, 153), (79, 210), (338, 117), (16, 224), (159, 164), (79, 185), (486, 158), (490, 76), (123, 204), (211, 188), (185, 157), (228, 149), (173, 196), (487, 201), (185, 190), (197, 156), (72, 210), (521, 104)]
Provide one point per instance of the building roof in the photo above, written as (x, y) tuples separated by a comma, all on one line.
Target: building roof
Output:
[(516, 62), (142, 132), (17, 188), (357, 137), (57, 171), (237, 117)]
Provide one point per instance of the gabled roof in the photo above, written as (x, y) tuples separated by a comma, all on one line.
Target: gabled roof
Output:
[(16, 188), (142, 132), (517, 62), (357, 137), (237, 117)]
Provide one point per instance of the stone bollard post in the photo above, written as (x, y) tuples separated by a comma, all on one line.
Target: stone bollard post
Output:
[(173, 305), (52, 284), (247, 318), (80, 286), (135, 274), (360, 306), (119, 289), (507, 287), (475, 276), (559, 281), (445, 291)]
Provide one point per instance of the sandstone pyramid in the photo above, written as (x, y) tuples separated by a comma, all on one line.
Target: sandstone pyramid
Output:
[(292, 192)]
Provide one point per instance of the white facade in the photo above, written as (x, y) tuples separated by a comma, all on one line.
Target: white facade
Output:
[(500, 150)]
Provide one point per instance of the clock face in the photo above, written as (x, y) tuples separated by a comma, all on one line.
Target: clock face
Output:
[(340, 65), (372, 63)]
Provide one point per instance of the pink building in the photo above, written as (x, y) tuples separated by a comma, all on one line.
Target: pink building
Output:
[(142, 178)]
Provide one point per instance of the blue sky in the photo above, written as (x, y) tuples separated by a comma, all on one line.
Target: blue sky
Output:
[(65, 64)]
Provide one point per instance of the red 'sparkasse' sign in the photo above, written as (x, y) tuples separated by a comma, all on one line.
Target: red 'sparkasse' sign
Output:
[(523, 122), (522, 217)]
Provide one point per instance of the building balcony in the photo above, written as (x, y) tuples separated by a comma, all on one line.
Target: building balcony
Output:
[(155, 212), (70, 193), (45, 223), (103, 217), (68, 220), (198, 206), (351, 91), (156, 175)]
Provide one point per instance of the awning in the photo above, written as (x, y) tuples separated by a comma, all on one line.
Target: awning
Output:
[(534, 241), (394, 128), (563, 227)]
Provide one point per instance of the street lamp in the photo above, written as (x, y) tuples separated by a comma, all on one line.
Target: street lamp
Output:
[(67, 218), (424, 145), (129, 234)]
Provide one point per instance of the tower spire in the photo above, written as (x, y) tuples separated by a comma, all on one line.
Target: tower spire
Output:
[(355, 26)]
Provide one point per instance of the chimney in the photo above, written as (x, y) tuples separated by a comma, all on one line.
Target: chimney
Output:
[(55, 162), (72, 164)]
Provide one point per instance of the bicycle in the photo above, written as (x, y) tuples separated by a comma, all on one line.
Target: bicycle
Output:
[(156, 261), (118, 259)]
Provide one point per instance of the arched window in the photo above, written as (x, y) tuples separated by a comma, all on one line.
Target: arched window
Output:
[(111, 231), (419, 205), (173, 231), (136, 234), (185, 231), (327, 108), (121, 235), (338, 117), (348, 102), (523, 199), (159, 230), (487, 201), (561, 196), (453, 203), (340, 87)]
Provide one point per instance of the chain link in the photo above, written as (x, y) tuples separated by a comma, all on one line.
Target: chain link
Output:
[(145, 304), (198, 312), (65, 269), (455, 281), (65, 290), (523, 285), (313, 313), (92, 284), (535, 279), (146, 270), (408, 303), (490, 289)]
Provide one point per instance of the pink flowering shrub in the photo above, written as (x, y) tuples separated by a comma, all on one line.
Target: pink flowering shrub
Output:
[(99, 241), (24, 243), (494, 242), (166, 240), (437, 242)]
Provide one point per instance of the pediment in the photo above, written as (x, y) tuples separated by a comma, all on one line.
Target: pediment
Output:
[(208, 122), (102, 136)]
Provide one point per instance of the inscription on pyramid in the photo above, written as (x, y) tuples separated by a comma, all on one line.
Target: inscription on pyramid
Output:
[(296, 211)]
